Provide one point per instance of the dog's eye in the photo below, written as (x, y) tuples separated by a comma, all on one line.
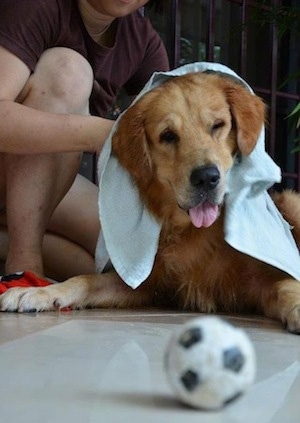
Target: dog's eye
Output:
[(217, 125), (169, 137)]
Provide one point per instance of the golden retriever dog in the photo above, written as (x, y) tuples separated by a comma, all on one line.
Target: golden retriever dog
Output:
[(178, 142)]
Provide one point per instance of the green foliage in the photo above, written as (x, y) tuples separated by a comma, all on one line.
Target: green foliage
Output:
[(286, 18), (287, 21), (294, 121)]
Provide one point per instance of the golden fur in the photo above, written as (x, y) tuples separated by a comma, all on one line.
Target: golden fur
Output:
[(189, 127)]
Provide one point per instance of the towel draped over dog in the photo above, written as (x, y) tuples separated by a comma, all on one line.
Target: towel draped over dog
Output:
[(253, 225)]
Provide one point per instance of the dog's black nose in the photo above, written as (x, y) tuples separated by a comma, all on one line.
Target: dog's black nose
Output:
[(206, 177)]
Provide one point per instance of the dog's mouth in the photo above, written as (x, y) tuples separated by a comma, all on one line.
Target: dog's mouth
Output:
[(202, 196), (204, 214)]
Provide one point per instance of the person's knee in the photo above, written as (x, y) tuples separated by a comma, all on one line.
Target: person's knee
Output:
[(63, 78)]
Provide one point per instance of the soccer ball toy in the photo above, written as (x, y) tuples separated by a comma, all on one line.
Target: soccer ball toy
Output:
[(209, 362)]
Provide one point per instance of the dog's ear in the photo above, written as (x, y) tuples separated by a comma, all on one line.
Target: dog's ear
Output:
[(248, 112), (129, 143)]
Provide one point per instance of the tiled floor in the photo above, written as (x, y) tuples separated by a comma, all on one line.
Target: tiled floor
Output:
[(107, 367)]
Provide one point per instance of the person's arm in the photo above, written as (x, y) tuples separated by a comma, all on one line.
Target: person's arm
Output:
[(28, 131), (24, 130)]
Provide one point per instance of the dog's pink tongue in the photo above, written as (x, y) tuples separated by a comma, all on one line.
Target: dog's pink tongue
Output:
[(204, 214)]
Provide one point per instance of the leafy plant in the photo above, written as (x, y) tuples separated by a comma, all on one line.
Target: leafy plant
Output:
[(294, 120), (286, 18), (287, 21)]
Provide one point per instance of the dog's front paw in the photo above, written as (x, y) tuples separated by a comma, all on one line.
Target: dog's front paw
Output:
[(293, 320), (28, 300)]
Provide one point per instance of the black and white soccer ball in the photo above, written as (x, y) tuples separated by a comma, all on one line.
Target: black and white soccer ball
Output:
[(210, 362)]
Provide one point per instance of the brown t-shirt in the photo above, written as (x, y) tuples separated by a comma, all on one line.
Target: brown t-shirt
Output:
[(29, 27)]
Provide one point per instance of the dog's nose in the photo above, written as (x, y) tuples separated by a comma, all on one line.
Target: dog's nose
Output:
[(206, 177)]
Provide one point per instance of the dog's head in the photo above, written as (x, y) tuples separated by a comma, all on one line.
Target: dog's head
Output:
[(179, 141)]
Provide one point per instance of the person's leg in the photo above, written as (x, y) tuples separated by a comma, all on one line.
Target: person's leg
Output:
[(35, 184), (30, 203), (70, 241), (62, 258), (77, 217)]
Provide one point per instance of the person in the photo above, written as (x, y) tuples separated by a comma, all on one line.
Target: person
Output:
[(62, 64)]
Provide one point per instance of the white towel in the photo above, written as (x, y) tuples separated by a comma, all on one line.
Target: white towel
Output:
[(253, 225)]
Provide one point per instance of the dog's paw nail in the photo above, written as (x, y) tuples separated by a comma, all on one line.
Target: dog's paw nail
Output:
[(56, 304)]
